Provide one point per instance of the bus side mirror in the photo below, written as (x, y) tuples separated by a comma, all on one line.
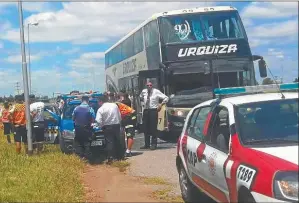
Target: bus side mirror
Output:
[(262, 68), (162, 66), (162, 77)]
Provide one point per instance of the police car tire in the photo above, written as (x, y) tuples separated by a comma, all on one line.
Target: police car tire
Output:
[(63, 147), (247, 198), (193, 194)]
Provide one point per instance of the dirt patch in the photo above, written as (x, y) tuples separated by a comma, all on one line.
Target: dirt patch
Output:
[(107, 184)]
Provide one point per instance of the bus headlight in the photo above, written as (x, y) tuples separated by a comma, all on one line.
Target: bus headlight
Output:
[(67, 134), (286, 186), (178, 112)]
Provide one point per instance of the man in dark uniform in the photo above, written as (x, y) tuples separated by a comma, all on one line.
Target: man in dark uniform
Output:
[(83, 117)]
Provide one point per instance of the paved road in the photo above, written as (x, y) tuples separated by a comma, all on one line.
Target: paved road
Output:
[(139, 142), (158, 163)]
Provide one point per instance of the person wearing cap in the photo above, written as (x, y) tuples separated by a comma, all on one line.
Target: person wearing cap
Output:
[(38, 122), (151, 96), (83, 116), (109, 119), (19, 123)]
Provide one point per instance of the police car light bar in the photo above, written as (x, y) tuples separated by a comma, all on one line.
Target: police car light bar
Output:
[(256, 89)]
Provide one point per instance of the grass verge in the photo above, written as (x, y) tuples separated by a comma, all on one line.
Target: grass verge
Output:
[(155, 181), (166, 196), (49, 177), (121, 165)]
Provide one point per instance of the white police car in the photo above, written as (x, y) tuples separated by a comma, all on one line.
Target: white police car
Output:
[(242, 148)]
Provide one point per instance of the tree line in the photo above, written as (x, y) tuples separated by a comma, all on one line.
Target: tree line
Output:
[(11, 98), (268, 81)]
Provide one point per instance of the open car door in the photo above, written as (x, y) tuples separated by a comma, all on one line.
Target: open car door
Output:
[(52, 120)]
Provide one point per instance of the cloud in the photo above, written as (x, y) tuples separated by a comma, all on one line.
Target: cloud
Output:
[(92, 22), (284, 29), (1, 45), (29, 6), (94, 55), (270, 10), (16, 59), (88, 60), (67, 51), (276, 53), (281, 33)]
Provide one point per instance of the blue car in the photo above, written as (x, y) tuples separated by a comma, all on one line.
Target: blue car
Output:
[(67, 132)]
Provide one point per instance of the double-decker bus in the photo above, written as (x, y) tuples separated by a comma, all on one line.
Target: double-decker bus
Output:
[(186, 54)]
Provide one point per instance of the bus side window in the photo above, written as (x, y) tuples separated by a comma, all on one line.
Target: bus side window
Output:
[(152, 44)]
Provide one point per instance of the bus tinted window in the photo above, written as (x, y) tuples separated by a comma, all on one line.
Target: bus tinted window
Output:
[(222, 25), (181, 29), (138, 42), (151, 33), (127, 49), (198, 27), (117, 54)]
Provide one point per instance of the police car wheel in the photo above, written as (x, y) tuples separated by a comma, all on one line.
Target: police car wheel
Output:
[(246, 197), (63, 147), (189, 192)]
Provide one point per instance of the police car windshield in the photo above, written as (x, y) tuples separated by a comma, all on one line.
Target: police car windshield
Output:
[(198, 27), (268, 122), (68, 111)]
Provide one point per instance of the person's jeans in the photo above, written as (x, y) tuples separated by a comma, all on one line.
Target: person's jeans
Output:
[(112, 135), (82, 141), (150, 121)]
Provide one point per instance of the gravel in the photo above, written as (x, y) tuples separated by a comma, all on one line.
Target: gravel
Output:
[(158, 163)]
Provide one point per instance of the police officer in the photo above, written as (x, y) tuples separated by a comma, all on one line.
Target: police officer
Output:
[(151, 96), (83, 117)]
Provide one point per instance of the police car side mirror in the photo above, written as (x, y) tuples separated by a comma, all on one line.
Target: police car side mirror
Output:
[(262, 68)]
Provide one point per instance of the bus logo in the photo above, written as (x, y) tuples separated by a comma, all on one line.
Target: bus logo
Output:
[(183, 30), (207, 50)]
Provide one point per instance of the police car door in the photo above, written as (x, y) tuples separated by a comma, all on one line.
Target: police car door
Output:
[(52, 120), (215, 154), (195, 144)]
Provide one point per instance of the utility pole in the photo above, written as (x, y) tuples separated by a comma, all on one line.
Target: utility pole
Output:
[(25, 80), (17, 87)]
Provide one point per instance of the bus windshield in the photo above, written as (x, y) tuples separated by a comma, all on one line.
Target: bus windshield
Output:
[(227, 73), (200, 27)]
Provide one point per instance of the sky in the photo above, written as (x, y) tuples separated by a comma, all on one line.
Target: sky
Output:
[(67, 47)]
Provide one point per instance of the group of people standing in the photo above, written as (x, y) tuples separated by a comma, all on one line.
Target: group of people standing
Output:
[(14, 121), (112, 116)]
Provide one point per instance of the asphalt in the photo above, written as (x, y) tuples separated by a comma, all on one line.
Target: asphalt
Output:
[(139, 142)]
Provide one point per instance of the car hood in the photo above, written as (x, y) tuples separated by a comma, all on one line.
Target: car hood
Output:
[(287, 153), (189, 100), (67, 124)]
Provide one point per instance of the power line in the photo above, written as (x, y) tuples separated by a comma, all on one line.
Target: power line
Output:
[(17, 87)]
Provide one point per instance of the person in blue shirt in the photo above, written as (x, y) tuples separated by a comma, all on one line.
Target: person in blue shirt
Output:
[(83, 117)]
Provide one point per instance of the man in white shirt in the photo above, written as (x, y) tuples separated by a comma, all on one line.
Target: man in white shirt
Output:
[(150, 97), (38, 122), (109, 118)]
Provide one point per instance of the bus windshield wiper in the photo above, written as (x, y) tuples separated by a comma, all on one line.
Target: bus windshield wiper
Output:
[(270, 140)]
